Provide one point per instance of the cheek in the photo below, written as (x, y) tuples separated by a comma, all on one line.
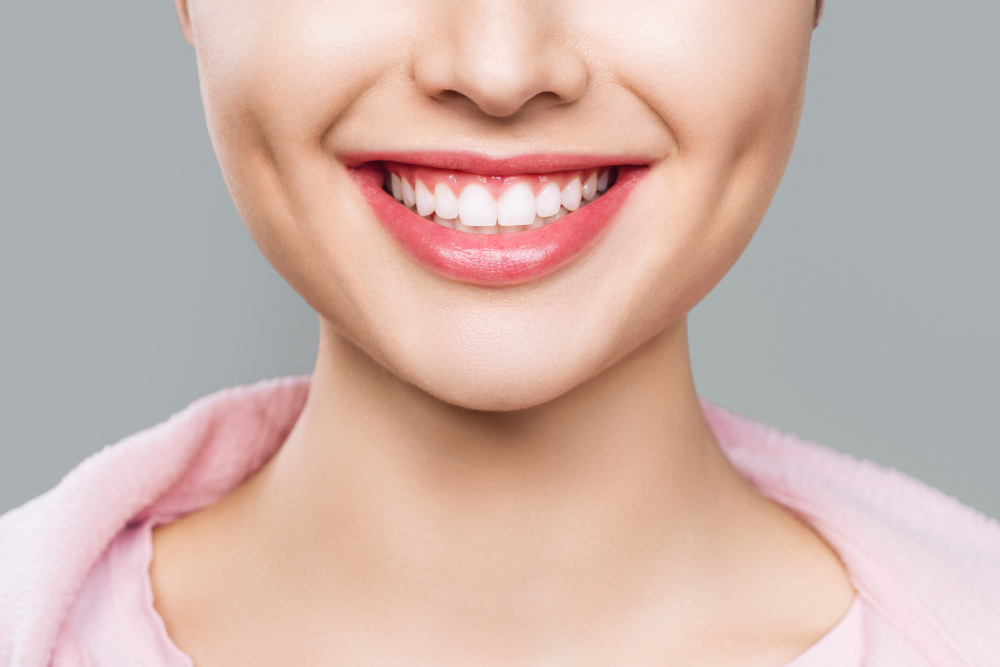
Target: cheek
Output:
[(276, 76), (728, 79)]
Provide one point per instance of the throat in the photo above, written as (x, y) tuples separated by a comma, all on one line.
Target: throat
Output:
[(415, 531), (384, 484)]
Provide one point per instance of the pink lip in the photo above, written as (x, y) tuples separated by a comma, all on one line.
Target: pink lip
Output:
[(497, 259), (477, 163)]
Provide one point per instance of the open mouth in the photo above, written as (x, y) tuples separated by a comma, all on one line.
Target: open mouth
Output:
[(478, 204), (493, 222)]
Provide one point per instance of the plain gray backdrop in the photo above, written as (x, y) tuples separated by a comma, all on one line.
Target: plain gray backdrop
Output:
[(864, 315)]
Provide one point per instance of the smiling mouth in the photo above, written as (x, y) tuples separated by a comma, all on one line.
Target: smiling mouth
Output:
[(494, 221), (494, 204)]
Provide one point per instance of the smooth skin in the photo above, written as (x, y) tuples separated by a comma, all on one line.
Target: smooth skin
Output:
[(500, 476)]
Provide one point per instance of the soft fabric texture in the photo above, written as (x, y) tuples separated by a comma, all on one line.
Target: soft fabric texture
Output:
[(926, 565), (113, 622)]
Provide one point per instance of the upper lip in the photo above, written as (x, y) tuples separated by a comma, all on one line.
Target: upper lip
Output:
[(480, 163)]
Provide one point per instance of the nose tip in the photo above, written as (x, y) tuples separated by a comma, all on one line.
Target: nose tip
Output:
[(499, 56)]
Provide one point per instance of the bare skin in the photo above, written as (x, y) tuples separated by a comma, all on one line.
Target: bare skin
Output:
[(514, 476), (604, 527)]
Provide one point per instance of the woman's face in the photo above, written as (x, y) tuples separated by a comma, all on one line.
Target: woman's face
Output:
[(319, 109)]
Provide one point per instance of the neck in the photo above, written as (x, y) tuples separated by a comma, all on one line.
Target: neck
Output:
[(367, 437), (391, 522), (398, 484)]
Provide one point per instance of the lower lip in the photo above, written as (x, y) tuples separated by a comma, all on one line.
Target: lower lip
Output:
[(495, 259)]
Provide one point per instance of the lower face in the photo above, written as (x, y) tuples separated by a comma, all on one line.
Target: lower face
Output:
[(498, 200)]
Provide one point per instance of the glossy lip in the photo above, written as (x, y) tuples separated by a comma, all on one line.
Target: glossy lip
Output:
[(489, 165), (494, 259)]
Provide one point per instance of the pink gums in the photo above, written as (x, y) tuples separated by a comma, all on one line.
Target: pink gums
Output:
[(496, 185), (494, 259)]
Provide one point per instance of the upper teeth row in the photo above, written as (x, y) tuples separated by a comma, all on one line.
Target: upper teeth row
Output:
[(517, 207)]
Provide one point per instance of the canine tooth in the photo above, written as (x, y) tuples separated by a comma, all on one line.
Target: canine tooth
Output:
[(397, 187), (547, 202), (602, 181), (409, 199), (445, 203), (590, 187), (571, 194), (425, 200), (516, 207), (476, 207), (450, 224)]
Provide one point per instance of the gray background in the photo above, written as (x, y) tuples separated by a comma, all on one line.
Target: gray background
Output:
[(864, 315)]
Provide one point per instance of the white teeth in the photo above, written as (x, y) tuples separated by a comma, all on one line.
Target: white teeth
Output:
[(476, 207), (425, 200), (445, 203), (602, 181), (519, 209), (590, 187), (571, 194), (547, 202), (516, 207), (409, 199)]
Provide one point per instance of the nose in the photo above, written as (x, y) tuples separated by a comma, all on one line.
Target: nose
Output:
[(499, 55)]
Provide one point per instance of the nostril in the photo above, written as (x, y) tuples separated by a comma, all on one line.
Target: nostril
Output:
[(494, 103), (498, 58)]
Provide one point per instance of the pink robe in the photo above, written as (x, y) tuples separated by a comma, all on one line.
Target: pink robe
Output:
[(926, 566)]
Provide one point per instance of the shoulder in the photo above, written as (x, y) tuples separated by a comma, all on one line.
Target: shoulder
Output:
[(927, 563), (48, 545)]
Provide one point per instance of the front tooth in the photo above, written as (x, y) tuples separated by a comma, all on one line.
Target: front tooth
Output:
[(409, 199), (563, 212), (590, 187), (516, 206), (571, 194), (602, 181), (548, 201), (476, 207), (539, 222), (425, 200), (445, 203), (397, 188), (450, 224)]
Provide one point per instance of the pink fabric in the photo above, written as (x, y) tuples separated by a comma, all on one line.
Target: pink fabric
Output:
[(925, 565), (113, 622)]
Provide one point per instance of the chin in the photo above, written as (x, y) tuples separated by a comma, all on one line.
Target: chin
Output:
[(498, 383), (516, 393)]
